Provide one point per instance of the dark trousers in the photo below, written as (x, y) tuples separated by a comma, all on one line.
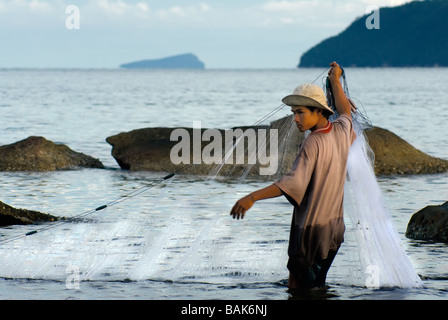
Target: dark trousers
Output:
[(313, 276)]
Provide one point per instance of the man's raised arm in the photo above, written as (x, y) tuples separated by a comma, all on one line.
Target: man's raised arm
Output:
[(341, 102)]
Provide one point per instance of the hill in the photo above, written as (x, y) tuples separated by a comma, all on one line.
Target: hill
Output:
[(182, 61), (410, 35)]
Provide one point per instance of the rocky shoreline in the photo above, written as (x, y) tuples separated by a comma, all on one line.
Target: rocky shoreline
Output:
[(149, 149)]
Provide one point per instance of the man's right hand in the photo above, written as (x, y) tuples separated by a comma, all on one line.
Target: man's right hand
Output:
[(241, 206)]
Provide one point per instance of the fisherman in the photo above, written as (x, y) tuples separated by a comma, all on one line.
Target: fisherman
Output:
[(315, 184)]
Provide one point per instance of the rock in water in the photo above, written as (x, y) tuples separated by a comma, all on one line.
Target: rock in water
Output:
[(39, 154), (11, 216), (143, 149), (429, 224), (394, 155), (149, 149)]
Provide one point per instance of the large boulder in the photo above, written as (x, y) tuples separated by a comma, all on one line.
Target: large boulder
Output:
[(39, 154), (12, 216), (429, 224), (149, 149), (393, 155)]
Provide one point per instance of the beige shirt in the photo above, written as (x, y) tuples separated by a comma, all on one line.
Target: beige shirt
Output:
[(315, 186)]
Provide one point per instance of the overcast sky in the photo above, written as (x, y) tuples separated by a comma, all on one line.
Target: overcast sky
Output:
[(223, 34)]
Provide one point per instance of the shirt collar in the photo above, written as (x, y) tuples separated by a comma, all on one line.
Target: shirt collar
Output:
[(325, 129)]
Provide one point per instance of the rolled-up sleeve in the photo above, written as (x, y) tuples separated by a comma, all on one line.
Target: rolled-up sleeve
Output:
[(345, 124), (296, 182)]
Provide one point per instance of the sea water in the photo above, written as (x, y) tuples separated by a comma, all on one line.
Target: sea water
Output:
[(177, 241)]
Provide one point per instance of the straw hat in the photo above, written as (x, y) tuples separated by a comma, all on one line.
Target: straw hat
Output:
[(308, 95)]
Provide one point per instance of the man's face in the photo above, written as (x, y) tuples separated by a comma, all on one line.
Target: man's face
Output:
[(304, 118)]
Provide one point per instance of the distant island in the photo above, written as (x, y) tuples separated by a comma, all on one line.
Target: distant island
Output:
[(410, 35), (182, 61)]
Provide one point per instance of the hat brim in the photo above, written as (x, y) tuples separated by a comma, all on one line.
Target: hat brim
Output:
[(298, 100)]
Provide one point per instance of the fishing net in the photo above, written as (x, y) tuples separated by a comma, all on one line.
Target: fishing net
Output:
[(376, 247), (377, 257), (194, 242)]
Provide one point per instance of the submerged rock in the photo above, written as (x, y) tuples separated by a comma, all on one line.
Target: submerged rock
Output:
[(11, 216), (39, 154), (429, 224), (149, 149)]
